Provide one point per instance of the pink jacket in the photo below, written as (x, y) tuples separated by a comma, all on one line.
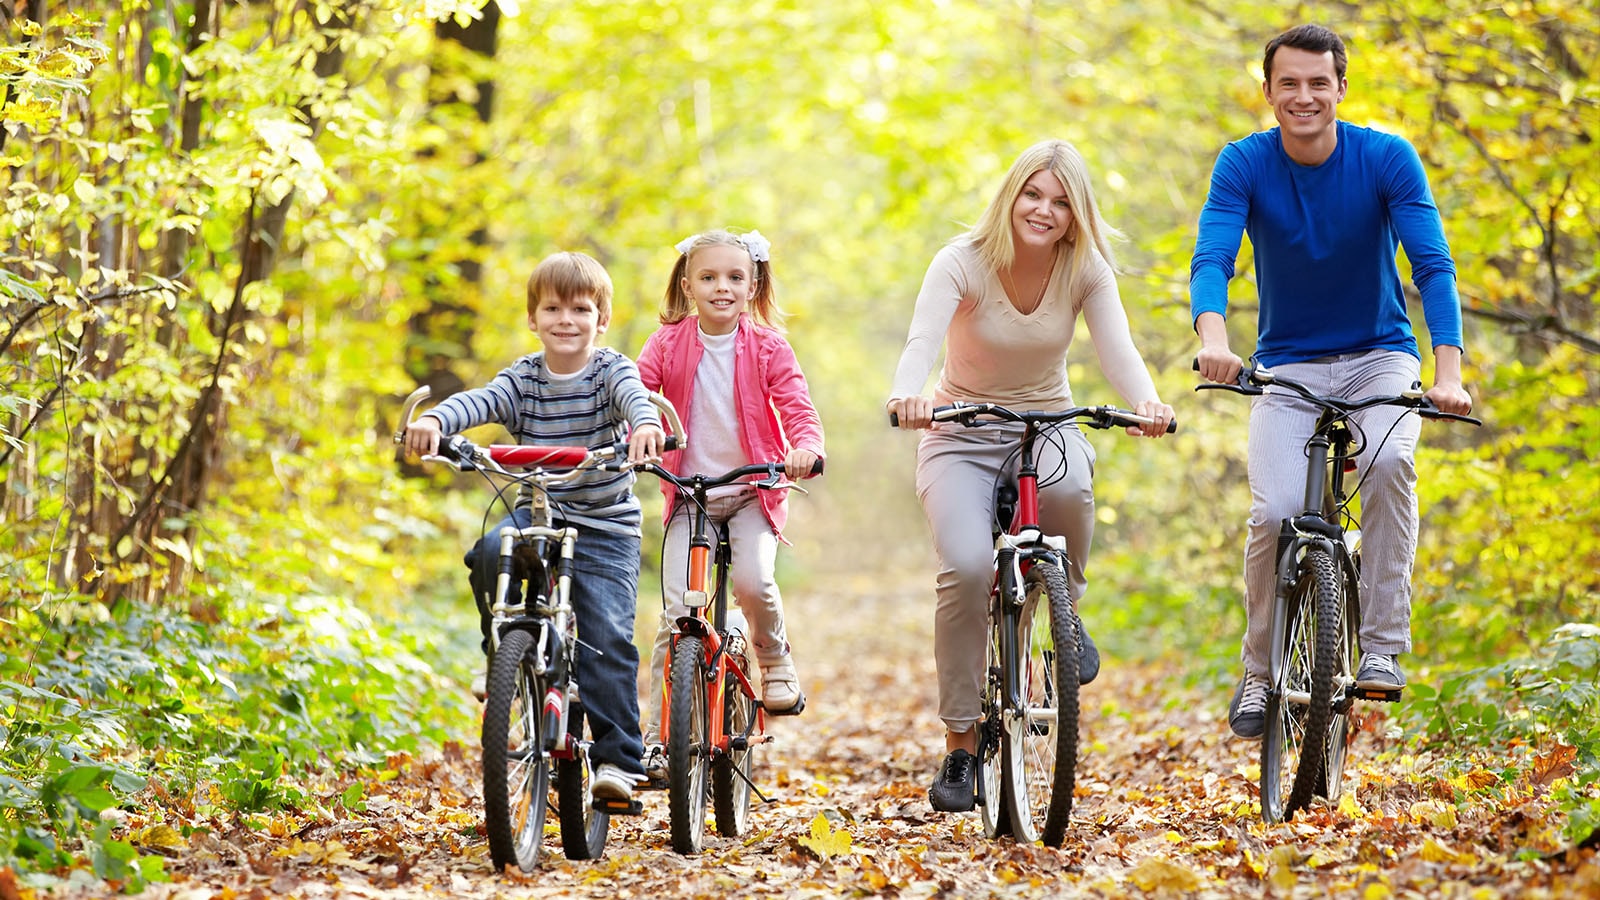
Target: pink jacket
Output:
[(775, 409)]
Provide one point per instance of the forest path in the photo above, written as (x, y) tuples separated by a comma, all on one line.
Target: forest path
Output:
[(1166, 807)]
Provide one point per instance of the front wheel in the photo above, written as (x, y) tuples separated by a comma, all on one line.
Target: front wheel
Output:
[(583, 828), (1299, 702), (688, 746), (992, 806), (1040, 736), (1344, 678), (516, 781)]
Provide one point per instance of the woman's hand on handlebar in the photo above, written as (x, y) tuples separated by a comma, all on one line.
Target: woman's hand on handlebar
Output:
[(911, 412), (1160, 415), (646, 444), (422, 437)]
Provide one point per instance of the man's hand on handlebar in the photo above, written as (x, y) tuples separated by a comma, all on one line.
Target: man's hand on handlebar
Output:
[(646, 444), (422, 437), (1450, 398), (1218, 364)]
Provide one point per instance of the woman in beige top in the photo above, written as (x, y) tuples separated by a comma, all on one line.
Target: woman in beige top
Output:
[(1004, 300)]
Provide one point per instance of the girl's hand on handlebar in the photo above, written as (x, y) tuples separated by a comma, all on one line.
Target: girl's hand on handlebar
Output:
[(422, 437), (912, 412), (797, 463), (646, 444), (1160, 412)]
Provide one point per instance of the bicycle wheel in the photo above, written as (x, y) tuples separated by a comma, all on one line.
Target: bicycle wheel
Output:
[(990, 765), (583, 828), (688, 746), (1299, 708), (1331, 785), (730, 774), (1040, 739), (516, 781)]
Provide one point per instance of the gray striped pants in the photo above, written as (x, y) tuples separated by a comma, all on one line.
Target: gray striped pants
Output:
[(1280, 424)]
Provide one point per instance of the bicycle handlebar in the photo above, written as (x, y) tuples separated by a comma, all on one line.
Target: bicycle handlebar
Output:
[(1093, 416), (772, 470), (1254, 381)]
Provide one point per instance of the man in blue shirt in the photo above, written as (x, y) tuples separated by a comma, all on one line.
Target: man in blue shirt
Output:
[(1326, 203)]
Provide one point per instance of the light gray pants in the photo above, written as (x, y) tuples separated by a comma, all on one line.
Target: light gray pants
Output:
[(958, 469), (1280, 424), (751, 581)]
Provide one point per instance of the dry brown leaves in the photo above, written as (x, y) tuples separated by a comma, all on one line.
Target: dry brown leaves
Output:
[(1166, 807)]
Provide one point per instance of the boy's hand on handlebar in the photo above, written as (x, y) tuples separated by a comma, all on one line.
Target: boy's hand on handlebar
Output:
[(1450, 398), (797, 463), (422, 437), (912, 412), (646, 444), (1159, 412)]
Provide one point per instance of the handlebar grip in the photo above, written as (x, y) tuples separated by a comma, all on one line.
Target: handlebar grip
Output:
[(816, 467), (670, 444), (894, 420), (1172, 427)]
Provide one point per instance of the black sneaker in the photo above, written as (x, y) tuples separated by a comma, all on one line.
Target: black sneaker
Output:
[(955, 787), (1380, 672), (1088, 657), (1247, 714)]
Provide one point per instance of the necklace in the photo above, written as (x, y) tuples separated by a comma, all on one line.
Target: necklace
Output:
[(1038, 297)]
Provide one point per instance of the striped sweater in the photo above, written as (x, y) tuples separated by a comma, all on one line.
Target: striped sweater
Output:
[(588, 409)]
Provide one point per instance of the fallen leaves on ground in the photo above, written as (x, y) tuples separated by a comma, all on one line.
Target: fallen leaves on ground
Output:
[(1166, 806)]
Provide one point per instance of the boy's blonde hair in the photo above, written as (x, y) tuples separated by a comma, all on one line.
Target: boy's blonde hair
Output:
[(991, 237), (568, 274), (677, 305)]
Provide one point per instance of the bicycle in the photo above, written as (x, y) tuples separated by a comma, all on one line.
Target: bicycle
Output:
[(708, 670), (1316, 609), (535, 737), (1028, 738)]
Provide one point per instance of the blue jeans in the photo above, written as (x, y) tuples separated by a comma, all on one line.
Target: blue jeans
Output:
[(605, 592)]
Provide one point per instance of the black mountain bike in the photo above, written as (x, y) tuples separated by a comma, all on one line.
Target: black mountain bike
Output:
[(1316, 611)]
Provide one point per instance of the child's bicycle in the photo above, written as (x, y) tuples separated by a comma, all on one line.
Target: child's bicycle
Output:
[(1316, 611), (1028, 738), (535, 736), (714, 720)]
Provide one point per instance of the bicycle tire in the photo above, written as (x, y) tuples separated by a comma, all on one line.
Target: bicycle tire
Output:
[(688, 746), (1040, 740), (730, 773), (991, 766), (516, 781), (583, 828), (1299, 703), (1331, 785)]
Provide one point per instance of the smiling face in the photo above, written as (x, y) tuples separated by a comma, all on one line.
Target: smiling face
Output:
[(720, 279), (1042, 213), (1304, 90), (568, 328)]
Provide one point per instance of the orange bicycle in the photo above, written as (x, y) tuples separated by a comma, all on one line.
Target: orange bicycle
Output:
[(714, 718)]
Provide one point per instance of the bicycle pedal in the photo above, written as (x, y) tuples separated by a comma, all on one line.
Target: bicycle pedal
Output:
[(795, 710), (1378, 694), (619, 807), (653, 784)]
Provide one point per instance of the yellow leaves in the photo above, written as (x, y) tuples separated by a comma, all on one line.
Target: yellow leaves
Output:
[(1157, 874), (824, 841), (159, 837), (1280, 866), (1437, 813), (332, 853), (1437, 851), (1548, 767)]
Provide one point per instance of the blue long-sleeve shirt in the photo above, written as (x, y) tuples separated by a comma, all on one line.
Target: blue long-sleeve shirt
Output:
[(1324, 238)]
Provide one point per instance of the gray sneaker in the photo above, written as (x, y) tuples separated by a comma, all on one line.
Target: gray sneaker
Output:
[(1380, 672), (1247, 714)]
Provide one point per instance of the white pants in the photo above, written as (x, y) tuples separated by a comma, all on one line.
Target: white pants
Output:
[(1280, 424), (751, 581)]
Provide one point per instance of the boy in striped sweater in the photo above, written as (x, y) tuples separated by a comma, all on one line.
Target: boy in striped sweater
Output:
[(573, 393)]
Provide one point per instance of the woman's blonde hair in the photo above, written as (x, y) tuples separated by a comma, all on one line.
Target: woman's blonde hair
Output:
[(677, 305), (992, 238)]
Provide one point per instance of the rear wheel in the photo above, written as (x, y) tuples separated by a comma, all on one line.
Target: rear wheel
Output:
[(516, 782), (1299, 707), (1040, 738), (688, 746), (730, 774), (583, 828)]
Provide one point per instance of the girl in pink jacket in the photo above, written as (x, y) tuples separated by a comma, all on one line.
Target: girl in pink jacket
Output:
[(721, 360)]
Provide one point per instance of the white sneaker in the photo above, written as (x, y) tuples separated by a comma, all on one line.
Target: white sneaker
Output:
[(611, 783), (780, 688)]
